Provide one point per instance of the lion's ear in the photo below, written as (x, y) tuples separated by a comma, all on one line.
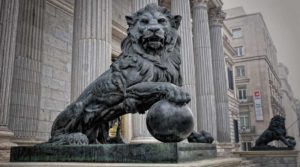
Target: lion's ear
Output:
[(129, 20), (176, 21)]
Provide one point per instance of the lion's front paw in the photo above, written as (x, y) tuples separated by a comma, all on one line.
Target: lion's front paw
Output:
[(176, 94)]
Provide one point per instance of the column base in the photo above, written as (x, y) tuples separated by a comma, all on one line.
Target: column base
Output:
[(5, 144), (144, 140), (226, 149), (26, 142)]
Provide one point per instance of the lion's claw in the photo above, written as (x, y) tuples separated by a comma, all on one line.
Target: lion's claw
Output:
[(176, 94)]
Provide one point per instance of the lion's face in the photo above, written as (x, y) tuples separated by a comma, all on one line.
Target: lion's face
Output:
[(152, 26)]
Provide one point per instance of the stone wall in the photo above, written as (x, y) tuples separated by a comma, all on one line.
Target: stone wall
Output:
[(56, 67), (120, 9)]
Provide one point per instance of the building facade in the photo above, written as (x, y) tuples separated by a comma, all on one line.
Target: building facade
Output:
[(289, 104), (256, 73), (233, 102), (52, 49)]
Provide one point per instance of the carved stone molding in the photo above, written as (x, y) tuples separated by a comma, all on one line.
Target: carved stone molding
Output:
[(216, 16), (200, 3), (65, 6)]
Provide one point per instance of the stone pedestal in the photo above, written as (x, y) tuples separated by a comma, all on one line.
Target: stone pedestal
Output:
[(271, 158), (116, 153), (207, 119), (91, 42), (182, 8), (216, 17)]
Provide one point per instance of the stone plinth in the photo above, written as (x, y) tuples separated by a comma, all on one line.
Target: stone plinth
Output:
[(116, 153), (5, 144), (271, 158)]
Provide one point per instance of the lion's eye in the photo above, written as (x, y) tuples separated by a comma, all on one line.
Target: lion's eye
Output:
[(145, 21), (162, 20)]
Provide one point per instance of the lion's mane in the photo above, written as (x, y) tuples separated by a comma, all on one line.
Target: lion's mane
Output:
[(277, 125)]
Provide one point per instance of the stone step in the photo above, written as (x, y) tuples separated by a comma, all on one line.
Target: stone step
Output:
[(249, 163)]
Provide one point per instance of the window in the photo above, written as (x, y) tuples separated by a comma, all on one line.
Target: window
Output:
[(237, 33), (242, 93), (230, 79), (236, 131), (244, 121), (240, 71), (246, 146), (239, 51)]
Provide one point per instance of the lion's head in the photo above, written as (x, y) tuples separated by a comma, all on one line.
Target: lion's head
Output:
[(152, 29), (278, 124)]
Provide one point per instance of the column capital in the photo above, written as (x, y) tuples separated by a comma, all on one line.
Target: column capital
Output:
[(200, 3), (216, 16)]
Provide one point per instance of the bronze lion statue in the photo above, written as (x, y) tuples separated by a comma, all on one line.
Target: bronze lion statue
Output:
[(147, 71), (275, 131)]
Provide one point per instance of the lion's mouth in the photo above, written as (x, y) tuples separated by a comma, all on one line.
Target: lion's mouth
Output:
[(154, 42)]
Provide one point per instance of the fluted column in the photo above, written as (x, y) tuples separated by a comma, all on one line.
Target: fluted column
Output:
[(138, 4), (91, 42), (206, 115), (26, 87), (216, 17), (182, 8), (8, 31), (140, 132)]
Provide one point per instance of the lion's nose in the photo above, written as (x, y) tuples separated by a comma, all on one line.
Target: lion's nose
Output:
[(154, 29)]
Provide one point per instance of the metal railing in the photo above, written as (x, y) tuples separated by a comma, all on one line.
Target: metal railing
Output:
[(247, 129), (249, 99)]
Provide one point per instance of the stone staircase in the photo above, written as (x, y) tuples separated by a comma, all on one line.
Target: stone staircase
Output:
[(249, 163), (282, 158)]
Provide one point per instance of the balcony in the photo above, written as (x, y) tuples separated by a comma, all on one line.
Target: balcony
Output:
[(247, 130), (247, 101)]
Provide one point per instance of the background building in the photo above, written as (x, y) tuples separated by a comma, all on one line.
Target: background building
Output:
[(289, 104), (256, 72)]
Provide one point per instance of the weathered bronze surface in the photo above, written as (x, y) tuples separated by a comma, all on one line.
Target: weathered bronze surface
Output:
[(147, 71), (275, 131)]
